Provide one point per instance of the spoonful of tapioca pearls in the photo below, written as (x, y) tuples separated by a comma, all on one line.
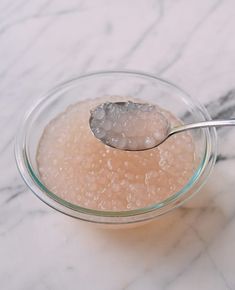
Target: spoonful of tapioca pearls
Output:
[(137, 126), (128, 125)]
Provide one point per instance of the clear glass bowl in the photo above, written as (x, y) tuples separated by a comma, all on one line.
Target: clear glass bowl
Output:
[(119, 83)]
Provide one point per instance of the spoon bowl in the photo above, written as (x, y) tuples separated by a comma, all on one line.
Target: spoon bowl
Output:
[(133, 126), (129, 126)]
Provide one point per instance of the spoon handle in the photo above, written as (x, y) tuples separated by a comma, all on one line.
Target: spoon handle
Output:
[(213, 123)]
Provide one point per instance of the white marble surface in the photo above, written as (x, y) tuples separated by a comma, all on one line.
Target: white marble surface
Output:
[(191, 43)]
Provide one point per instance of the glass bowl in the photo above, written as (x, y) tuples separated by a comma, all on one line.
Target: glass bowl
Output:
[(118, 83)]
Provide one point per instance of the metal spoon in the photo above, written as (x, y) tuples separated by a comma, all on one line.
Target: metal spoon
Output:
[(125, 125)]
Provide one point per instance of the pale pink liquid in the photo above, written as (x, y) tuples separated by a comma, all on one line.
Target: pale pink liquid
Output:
[(76, 166)]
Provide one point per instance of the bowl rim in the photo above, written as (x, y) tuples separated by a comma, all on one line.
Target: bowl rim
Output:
[(113, 217)]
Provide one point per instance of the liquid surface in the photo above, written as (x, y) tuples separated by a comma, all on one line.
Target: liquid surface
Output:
[(129, 125), (79, 168)]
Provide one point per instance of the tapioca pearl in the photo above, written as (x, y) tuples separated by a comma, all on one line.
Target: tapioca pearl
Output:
[(98, 123), (133, 130), (149, 142), (159, 135), (99, 113), (147, 108), (139, 141), (94, 125), (117, 128), (151, 178), (111, 140), (112, 111), (131, 144), (99, 133), (122, 143), (109, 164), (107, 125)]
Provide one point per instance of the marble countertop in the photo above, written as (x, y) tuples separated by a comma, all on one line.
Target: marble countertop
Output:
[(189, 42)]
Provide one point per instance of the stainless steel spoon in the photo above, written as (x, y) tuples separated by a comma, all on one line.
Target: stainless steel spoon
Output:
[(106, 123)]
